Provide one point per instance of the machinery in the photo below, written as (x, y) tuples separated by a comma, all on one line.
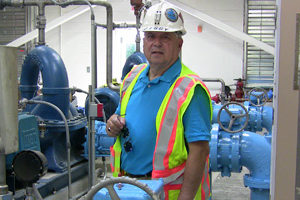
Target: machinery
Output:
[(53, 136), (233, 146)]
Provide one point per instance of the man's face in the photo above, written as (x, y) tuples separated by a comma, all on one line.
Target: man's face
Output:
[(161, 48)]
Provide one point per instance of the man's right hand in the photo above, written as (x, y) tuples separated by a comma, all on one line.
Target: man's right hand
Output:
[(114, 125)]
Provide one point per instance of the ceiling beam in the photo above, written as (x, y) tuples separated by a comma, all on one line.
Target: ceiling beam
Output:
[(50, 26), (222, 26)]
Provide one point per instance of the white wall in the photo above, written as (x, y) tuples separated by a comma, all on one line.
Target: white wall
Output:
[(210, 53)]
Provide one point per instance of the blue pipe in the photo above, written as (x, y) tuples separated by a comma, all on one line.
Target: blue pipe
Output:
[(229, 152), (255, 155), (259, 117), (55, 81)]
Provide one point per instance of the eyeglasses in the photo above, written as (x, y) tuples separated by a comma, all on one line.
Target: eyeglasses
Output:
[(127, 144)]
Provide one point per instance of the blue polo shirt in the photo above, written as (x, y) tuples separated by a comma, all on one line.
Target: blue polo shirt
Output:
[(141, 112)]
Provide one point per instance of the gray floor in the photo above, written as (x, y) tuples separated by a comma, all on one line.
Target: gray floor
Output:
[(229, 188)]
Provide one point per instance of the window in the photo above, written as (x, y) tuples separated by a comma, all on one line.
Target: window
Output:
[(260, 21)]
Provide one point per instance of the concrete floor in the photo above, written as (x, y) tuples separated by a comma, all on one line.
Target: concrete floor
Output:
[(223, 188), (229, 188)]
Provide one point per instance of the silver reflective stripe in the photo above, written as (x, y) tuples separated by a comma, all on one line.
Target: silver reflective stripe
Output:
[(168, 123), (112, 160), (133, 74), (195, 77), (178, 180)]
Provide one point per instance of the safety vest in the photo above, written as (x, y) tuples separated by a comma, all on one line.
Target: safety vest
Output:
[(170, 152)]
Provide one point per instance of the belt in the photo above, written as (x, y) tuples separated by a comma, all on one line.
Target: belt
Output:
[(148, 175)]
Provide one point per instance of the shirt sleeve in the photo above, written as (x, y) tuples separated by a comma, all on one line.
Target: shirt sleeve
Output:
[(196, 119)]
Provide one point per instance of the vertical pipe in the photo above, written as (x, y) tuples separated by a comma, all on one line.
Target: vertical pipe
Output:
[(68, 142), (94, 52), (138, 37), (91, 134), (41, 24), (91, 143), (109, 39), (3, 186)]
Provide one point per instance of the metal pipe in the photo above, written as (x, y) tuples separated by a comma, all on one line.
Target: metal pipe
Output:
[(138, 37), (109, 39), (230, 152), (36, 192), (255, 155), (3, 186), (94, 53), (55, 81), (109, 19), (91, 145), (41, 23), (85, 92), (68, 143), (121, 25), (223, 95)]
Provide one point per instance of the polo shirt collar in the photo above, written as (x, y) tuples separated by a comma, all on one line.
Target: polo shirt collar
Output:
[(169, 76)]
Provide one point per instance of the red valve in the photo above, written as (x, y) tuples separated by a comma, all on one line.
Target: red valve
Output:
[(137, 5), (100, 110)]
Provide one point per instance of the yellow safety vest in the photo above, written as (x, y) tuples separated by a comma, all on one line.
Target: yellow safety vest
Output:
[(169, 161)]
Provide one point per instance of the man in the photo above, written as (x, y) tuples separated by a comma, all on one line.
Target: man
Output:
[(162, 124)]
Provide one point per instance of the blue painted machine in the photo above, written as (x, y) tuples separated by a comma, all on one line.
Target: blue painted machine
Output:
[(102, 141), (28, 133), (56, 91)]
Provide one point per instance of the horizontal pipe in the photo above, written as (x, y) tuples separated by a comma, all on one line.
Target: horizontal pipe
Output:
[(109, 21), (18, 3), (222, 86), (121, 25)]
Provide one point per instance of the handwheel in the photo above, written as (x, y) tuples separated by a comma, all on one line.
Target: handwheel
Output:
[(109, 185), (262, 93), (233, 117)]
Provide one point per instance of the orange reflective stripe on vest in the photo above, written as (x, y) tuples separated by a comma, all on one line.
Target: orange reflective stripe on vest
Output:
[(168, 126), (116, 149)]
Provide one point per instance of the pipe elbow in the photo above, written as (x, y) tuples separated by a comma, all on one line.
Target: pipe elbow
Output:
[(52, 68), (55, 80), (255, 153), (113, 87)]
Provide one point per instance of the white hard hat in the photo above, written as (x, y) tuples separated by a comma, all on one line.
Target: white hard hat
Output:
[(163, 17)]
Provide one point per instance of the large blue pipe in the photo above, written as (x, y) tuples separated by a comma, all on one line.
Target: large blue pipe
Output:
[(255, 154), (259, 117), (55, 81), (229, 152)]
